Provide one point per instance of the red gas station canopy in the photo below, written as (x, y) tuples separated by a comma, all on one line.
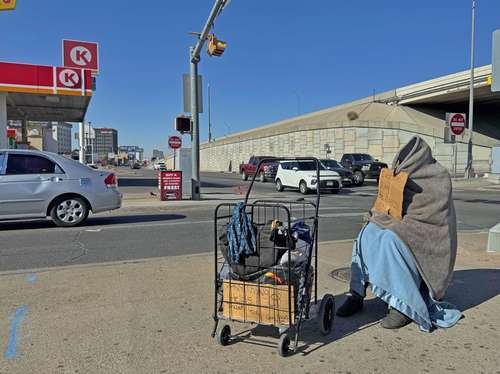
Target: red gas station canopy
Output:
[(45, 93)]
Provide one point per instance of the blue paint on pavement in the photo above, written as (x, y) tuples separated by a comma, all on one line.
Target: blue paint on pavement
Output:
[(31, 278), (18, 317)]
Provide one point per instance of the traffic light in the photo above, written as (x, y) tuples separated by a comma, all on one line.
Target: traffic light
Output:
[(215, 47), (183, 124)]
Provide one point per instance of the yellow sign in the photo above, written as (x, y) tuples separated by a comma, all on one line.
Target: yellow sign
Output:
[(490, 80), (7, 4)]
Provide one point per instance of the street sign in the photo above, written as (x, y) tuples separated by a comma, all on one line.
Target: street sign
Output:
[(186, 86), (7, 4), (495, 84), (78, 54), (174, 142), (170, 185), (456, 121)]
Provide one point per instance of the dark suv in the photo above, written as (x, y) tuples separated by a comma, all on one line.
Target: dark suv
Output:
[(363, 166)]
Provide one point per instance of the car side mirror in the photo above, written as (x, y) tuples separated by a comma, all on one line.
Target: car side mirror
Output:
[(295, 168)]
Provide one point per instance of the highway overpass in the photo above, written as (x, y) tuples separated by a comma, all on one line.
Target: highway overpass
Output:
[(378, 125)]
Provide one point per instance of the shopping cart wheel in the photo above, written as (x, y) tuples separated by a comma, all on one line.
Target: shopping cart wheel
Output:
[(284, 345), (224, 335), (326, 314)]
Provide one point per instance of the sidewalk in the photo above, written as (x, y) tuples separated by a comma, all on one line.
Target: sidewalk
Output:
[(154, 316)]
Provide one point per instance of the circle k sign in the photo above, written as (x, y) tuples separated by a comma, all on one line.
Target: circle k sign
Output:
[(69, 78), (80, 56)]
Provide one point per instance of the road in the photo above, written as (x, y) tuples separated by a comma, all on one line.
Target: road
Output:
[(146, 232)]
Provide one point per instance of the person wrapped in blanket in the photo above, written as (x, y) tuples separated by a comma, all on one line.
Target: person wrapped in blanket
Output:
[(407, 257)]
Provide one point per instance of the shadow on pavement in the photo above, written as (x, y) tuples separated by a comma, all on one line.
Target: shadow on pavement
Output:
[(91, 222), (469, 289), (137, 182)]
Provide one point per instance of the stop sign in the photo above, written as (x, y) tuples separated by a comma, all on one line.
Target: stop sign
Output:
[(457, 123), (174, 142)]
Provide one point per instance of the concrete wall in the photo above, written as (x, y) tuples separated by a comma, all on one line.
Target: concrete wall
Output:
[(380, 139)]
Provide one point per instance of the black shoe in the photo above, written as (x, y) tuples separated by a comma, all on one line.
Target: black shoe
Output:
[(352, 305), (395, 320)]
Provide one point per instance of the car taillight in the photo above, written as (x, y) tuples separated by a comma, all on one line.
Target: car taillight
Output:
[(111, 180), (266, 168)]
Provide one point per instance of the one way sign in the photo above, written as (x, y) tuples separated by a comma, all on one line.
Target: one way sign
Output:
[(82, 55)]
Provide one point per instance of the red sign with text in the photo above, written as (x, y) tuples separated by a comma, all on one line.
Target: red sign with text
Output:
[(174, 142), (83, 55), (170, 185), (457, 123)]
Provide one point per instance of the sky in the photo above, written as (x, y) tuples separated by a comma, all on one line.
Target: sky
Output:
[(284, 57)]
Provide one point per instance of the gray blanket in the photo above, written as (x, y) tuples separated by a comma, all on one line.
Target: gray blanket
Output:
[(428, 226)]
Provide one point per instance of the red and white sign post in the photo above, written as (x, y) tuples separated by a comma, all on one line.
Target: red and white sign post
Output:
[(457, 123), (170, 185), (174, 142), (81, 55)]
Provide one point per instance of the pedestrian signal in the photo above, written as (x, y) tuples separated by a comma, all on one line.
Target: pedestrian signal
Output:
[(183, 124)]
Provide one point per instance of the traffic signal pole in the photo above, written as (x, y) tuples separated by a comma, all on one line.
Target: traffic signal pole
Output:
[(194, 59), (469, 170)]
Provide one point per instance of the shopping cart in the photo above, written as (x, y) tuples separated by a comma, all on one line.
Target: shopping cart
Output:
[(273, 280)]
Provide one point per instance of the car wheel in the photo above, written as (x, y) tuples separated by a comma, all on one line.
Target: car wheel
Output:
[(262, 178), (279, 186), (359, 178), (244, 176), (69, 212), (303, 188)]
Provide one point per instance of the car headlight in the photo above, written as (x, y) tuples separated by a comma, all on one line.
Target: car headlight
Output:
[(365, 167), (313, 181)]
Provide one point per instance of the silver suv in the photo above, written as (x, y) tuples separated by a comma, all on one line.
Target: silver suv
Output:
[(37, 184)]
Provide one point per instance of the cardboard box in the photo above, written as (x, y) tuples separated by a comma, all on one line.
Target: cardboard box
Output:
[(251, 302)]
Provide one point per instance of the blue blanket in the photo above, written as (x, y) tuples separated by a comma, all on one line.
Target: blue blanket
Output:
[(381, 259)]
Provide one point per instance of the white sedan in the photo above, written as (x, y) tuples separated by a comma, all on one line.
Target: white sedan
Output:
[(37, 184)]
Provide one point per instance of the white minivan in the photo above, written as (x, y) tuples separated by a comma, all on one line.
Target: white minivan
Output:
[(303, 175)]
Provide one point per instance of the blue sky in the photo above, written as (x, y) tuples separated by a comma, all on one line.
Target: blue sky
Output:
[(283, 57)]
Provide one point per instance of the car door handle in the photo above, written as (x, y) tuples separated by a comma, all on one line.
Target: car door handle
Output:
[(52, 179)]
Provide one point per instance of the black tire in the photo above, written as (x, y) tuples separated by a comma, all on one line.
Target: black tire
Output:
[(262, 177), (326, 314), (359, 178), (224, 335), (279, 186), (284, 345), (69, 211), (244, 176), (303, 188)]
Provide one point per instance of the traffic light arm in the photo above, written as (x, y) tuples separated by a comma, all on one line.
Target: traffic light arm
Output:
[(217, 8)]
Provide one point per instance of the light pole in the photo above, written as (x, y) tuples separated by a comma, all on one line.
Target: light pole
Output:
[(209, 116), (469, 170), (194, 59)]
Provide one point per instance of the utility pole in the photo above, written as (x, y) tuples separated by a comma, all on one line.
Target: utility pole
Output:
[(469, 170), (194, 59), (81, 141), (209, 116)]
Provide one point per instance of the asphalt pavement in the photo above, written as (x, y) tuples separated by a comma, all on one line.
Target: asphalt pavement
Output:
[(164, 229)]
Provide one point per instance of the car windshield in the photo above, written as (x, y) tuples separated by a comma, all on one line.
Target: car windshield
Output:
[(362, 157), (330, 164), (309, 165)]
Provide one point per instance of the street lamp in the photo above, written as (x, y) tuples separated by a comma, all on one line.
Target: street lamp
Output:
[(469, 170)]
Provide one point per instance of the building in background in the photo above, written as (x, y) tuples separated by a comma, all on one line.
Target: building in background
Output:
[(105, 143), (61, 134), (158, 155), (133, 152)]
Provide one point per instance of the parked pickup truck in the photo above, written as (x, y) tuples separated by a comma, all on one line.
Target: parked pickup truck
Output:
[(267, 170), (363, 166)]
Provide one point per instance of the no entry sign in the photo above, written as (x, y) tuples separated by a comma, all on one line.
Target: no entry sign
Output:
[(83, 55), (456, 121), (174, 142)]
